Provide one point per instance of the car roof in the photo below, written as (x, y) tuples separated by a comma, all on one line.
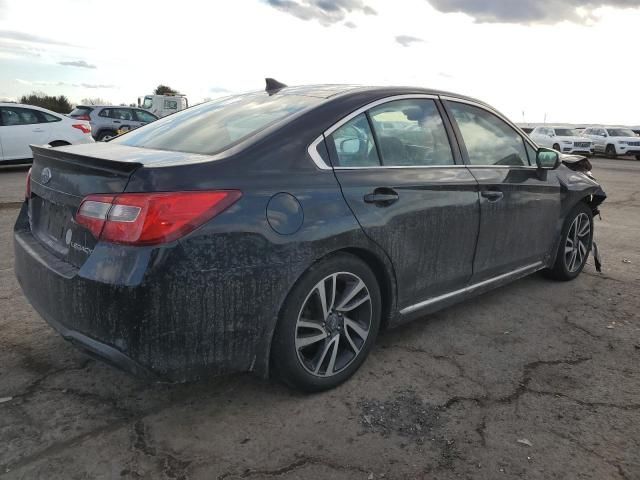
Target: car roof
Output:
[(33, 107), (327, 91)]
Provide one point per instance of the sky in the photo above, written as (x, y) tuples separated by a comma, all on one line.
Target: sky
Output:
[(573, 61)]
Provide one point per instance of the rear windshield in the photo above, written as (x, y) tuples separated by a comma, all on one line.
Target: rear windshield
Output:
[(80, 111), (215, 126)]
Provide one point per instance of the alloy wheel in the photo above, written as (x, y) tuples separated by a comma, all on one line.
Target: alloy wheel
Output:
[(333, 324), (576, 246)]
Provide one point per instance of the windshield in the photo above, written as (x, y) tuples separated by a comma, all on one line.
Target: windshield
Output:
[(215, 126), (620, 132), (148, 102), (566, 132)]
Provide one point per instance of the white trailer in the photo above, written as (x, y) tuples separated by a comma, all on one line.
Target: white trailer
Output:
[(163, 105)]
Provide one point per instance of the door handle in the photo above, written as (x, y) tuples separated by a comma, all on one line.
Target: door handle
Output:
[(117, 121), (38, 130), (492, 195), (382, 197)]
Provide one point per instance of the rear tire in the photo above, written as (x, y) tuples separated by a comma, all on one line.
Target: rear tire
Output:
[(106, 135), (317, 346), (637, 157), (556, 147), (610, 151), (575, 244)]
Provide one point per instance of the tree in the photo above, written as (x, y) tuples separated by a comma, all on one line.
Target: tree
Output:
[(94, 101), (58, 104), (164, 90)]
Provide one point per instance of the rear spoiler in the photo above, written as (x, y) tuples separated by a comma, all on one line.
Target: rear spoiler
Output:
[(103, 164)]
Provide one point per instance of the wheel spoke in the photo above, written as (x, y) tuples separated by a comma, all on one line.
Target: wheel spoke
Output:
[(345, 305), (302, 342), (302, 323), (350, 324), (333, 346), (327, 299), (585, 229), (351, 342)]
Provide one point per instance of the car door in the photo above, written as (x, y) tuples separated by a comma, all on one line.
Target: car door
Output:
[(519, 204), (21, 127), (600, 139), (410, 193)]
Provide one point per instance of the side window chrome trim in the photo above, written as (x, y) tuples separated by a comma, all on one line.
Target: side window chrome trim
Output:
[(320, 163)]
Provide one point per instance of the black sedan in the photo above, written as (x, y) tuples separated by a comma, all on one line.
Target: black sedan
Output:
[(280, 231)]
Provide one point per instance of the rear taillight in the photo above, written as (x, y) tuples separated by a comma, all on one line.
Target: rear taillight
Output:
[(27, 191), (84, 116), (151, 218), (83, 127)]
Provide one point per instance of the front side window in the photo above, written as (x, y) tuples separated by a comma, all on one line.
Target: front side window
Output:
[(145, 116), (354, 144), (215, 126), (411, 133), (488, 139), (620, 132)]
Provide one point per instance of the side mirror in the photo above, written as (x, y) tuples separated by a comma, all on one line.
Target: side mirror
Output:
[(547, 159), (350, 145)]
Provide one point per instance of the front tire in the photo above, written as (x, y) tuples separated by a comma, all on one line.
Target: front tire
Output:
[(328, 325), (575, 244), (637, 157), (556, 147)]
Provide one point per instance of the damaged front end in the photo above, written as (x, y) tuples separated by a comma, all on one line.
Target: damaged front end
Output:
[(579, 163)]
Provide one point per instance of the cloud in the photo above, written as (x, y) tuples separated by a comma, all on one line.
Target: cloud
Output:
[(327, 12), (350, 25), (407, 40), (77, 63), (27, 37), (529, 11), (12, 49), (38, 83)]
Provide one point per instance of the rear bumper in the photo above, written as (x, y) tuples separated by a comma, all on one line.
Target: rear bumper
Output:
[(171, 323)]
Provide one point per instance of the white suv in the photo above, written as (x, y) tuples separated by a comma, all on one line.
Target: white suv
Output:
[(614, 141), (562, 139), (24, 125)]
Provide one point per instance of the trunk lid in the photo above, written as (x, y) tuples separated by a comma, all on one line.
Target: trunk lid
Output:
[(60, 179)]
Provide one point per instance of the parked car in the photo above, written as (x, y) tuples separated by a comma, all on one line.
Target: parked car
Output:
[(279, 231), (106, 120), (562, 139), (614, 141), (24, 125)]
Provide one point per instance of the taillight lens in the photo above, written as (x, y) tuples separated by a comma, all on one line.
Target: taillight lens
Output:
[(81, 126), (82, 117), (151, 218), (27, 191)]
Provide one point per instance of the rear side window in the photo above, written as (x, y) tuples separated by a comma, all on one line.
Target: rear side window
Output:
[(215, 126), (354, 144), (488, 139), (49, 118), (411, 133)]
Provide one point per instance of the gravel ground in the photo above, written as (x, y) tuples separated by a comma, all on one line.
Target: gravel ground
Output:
[(536, 380)]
